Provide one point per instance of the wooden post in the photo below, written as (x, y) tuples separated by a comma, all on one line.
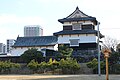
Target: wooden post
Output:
[(106, 53), (107, 77)]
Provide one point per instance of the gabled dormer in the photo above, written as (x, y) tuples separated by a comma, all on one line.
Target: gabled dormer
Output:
[(78, 21)]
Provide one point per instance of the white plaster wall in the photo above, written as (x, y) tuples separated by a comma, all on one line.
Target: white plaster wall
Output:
[(88, 39), (83, 22), (56, 47), (88, 22), (82, 38), (20, 50)]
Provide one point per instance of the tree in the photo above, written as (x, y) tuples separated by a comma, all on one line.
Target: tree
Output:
[(53, 64), (69, 65), (114, 62), (110, 43), (65, 51), (31, 54), (118, 48), (94, 65), (114, 58), (33, 65)]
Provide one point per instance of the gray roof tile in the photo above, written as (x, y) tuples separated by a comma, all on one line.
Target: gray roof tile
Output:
[(35, 41), (78, 15), (87, 31)]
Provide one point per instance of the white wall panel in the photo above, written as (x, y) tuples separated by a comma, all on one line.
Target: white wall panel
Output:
[(20, 50), (82, 38)]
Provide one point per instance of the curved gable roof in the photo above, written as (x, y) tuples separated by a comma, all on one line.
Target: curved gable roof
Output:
[(77, 15)]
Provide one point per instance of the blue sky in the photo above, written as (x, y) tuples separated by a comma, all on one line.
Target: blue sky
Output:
[(15, 14)]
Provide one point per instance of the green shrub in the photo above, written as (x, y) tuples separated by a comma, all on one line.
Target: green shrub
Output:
[(31, 54), (33, 65), (6, 66), (65, 51), (69, 65), (43, 66), (94, 65), (15, 65), (1, 66), (52, 64)]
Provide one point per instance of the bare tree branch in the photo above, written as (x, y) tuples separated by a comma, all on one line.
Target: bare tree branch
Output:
[(110, 43)]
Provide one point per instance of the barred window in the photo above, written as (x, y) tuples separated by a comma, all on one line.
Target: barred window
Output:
[(76, 26), (74, 42)]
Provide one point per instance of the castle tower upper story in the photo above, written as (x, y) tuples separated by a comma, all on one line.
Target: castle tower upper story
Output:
[(78, 29), (78, 21)]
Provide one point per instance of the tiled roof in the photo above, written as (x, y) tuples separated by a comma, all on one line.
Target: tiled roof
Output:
[(35, 41), (66, 32), (77, 15), (85, 31), (77, 19)]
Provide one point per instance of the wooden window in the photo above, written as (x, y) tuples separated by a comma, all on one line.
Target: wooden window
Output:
[(76, 26), (67, 27), (87, 26)]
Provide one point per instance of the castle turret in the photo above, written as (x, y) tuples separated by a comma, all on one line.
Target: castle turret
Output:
[(78, 31)]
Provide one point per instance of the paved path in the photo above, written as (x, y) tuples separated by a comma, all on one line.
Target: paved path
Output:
[(57, 77)]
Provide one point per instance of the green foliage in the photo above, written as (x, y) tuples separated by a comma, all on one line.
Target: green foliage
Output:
[(31, 54), (52, 64), (65, 50), (94, 65), (42, 65), (50, 61), (116, 68), (69, 65), (114, 63), (6, 66), (15, 65), (114, 58), (33, 65), (55, 64), (1, 65), (58, 56)]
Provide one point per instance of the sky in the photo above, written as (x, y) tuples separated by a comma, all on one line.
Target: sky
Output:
[(15, 14)]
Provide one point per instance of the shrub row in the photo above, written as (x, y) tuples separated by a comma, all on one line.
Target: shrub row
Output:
[(6, 66), (64, 66)]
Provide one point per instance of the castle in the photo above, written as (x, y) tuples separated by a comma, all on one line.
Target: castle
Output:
[(79, 32)]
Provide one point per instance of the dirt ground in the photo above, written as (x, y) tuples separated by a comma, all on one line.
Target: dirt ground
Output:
[(28, 77), (58, 77)]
